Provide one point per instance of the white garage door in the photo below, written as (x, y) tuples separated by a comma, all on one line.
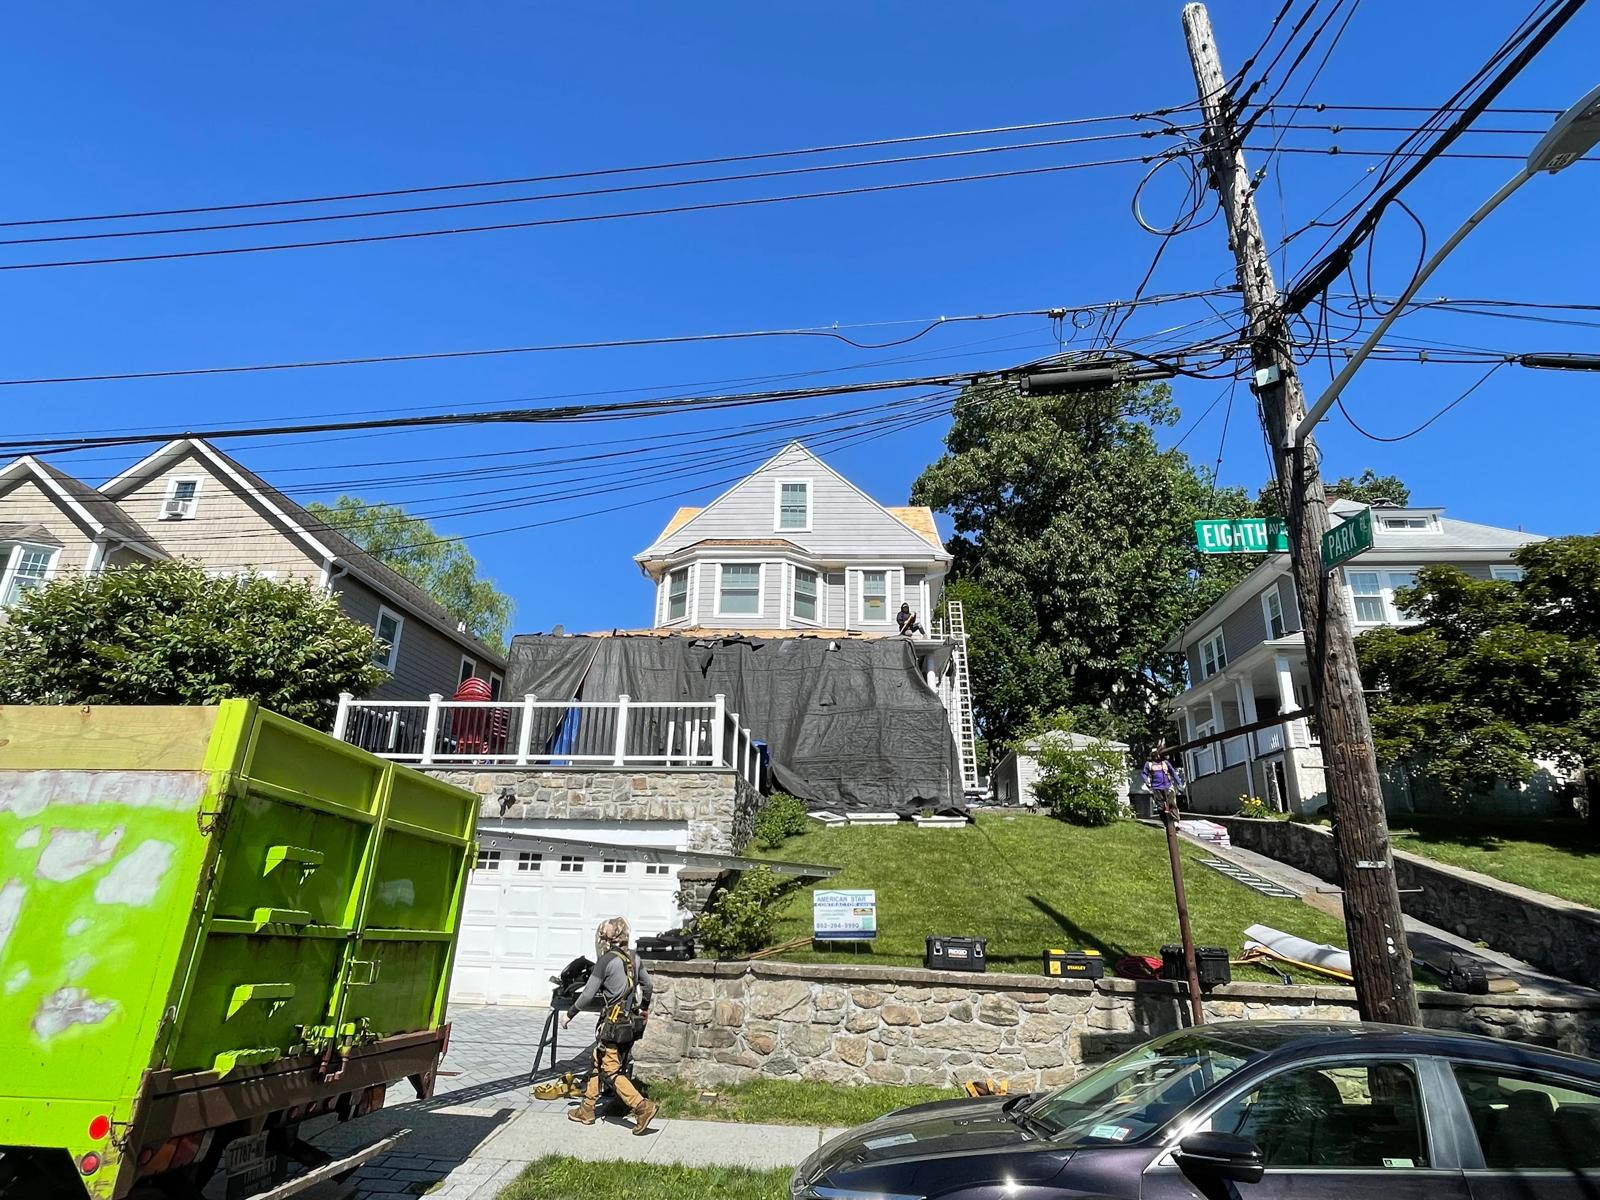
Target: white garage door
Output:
[(528, 915)]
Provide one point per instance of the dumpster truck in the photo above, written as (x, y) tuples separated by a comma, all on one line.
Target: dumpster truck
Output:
[(215, 924)]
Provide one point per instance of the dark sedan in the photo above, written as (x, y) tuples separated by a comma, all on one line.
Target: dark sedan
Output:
[(1250, 1109)]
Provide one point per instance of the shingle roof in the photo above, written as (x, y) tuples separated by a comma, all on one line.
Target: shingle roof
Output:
[(921, 522), (358, 560), (12, 531), (99, 506)]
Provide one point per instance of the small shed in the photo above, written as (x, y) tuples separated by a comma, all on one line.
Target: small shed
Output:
[(1016, 773)]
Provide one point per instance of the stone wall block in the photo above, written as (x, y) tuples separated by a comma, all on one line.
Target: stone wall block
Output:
[(996, 1009)]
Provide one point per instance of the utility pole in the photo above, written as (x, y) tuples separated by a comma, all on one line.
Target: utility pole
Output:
[(1380, 958)]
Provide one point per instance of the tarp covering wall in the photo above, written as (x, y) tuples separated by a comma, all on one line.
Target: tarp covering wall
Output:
[(848, 724)]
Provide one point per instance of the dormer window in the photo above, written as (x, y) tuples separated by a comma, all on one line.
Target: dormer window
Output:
[(1405, 522), (183, 493), (793, 503)]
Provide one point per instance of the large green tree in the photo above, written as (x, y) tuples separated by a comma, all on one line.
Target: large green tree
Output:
[(1367, 488), (1495, 674), (170, 634), (1074, 538), (443, 568)]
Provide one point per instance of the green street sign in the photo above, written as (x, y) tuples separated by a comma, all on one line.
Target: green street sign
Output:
[(1243, 535), (1343, 542)]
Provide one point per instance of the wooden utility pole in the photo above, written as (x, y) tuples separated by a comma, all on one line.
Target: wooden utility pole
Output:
[(1191, 967), (1379, 955)]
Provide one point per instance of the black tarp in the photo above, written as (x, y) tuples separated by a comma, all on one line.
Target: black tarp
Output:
[(848, 724)]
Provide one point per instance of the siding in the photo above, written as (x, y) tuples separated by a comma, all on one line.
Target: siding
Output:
[(26, 503), (771, 586), (843, 521), (427, 660), (230, 530)]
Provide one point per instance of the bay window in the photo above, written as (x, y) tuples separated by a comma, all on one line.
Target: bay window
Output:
[(739, 589), (805, 594)]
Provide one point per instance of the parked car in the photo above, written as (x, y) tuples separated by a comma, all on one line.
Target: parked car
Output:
[(1250, 1109)]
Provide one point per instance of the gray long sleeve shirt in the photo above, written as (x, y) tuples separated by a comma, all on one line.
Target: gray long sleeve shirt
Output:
[(610, 978)]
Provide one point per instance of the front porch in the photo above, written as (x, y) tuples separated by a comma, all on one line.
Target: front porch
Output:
[(1281, 764)]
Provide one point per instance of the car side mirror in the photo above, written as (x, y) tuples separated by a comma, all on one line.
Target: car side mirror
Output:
[(1221, 1156)]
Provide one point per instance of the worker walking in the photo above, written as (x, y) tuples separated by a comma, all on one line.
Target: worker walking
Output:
[(622, 985), (1164, 781)]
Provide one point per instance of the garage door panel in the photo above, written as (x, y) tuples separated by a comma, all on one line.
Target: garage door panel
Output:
[(523, 899)]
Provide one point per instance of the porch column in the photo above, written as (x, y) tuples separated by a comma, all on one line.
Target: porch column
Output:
[(1245, 693), (1287, 704), (1219, 750)]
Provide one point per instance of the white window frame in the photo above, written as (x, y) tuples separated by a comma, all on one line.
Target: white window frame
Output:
[(1509, 574), (794, 595), (469, 668), (861, 574), (1406, 524), (172, 495), (657, 869), (613, 866), (497, 685), (1207, 754), (1219, 658), (1384, 595), (487, 860), (777, 506), (13, 567), (761, 590), (388, 664), (572, 864), (1271, 599), (529, 860), (666, 608)]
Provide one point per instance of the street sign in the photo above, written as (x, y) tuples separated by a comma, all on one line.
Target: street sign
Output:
[(1242, 535), (844, 916), (1344, 541)]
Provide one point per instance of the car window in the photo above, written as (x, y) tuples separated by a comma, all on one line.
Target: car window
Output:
[(1525, 1125), (1366, 1115)]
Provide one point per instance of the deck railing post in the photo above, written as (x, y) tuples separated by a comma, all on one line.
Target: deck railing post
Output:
[(525, 733), (341, 718), (621, 754), (430, 732), (733, 748), (719, 731)]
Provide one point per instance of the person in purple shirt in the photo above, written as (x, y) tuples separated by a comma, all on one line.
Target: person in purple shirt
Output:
[(1164, 780)]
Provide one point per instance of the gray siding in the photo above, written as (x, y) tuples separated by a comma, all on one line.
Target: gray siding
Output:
[(836, 600), (843, 520), (427, 661)]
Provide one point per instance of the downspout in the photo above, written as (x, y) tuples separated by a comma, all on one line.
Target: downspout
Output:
[(332, 571)]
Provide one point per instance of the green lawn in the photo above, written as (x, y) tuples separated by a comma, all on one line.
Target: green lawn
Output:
[(1558, 857), (783, 1102), (558, 1178), (1029, 883)]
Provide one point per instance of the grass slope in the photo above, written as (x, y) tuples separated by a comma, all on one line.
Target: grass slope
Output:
[(1029, 883), (1561, 858), (560, 1178), (785, 1102)]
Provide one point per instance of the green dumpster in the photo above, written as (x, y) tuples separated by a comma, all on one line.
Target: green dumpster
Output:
[(214, 923)]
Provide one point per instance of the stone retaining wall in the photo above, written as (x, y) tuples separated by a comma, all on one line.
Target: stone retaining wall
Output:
[(717, 1023), (1551, 934), (718, 806)]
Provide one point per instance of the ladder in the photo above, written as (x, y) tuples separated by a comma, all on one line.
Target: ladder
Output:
[(961, 723)]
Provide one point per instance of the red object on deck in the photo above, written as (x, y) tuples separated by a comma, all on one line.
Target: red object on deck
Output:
[(477, 730)]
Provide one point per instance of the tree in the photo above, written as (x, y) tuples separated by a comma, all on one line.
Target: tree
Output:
[(1495, 675), (170, 634), (1370, 488), (443, 568), (1080, 778), (1074, 541)]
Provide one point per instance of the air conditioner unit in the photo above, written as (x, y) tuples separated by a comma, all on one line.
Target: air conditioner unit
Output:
[(174, 508)]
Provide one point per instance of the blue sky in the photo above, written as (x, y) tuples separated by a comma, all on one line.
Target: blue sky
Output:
[(114, 108)]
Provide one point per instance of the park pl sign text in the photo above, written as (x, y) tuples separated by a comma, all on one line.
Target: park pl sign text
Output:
[(1242, 535), (1347, 539)]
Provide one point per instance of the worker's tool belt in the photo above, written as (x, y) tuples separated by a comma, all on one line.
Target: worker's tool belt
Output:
[(620, 1024)]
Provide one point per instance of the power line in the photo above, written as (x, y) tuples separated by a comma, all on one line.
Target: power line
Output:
[(599, 172), (829, 332), (707, 206), (1413, 433), (585, 194)]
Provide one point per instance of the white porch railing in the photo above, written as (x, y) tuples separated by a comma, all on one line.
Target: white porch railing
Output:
[(538, 733)]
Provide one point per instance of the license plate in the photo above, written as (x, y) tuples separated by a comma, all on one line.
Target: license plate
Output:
[(248, 1165)]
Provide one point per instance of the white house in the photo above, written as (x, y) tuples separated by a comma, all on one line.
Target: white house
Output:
[(1246, 654)]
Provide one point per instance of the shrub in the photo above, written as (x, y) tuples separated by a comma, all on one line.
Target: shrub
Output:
[(740, 920), (784, 816), (1080, 784), (1255, 806)]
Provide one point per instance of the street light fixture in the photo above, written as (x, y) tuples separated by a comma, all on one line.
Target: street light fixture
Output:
[(1573, 135)]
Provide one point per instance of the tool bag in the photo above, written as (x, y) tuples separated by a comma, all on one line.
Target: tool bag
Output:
[(620, 1024)]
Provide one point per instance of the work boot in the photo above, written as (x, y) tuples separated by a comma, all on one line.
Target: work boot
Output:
[(583, 1114), (642, 1116)]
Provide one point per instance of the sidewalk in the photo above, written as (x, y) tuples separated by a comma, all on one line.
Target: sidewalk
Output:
[(482, 1126)]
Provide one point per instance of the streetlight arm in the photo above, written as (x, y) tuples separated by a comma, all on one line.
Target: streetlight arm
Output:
[(1317, 411)]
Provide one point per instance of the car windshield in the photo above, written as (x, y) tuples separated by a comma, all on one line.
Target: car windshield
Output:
[(1139, 1092)]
